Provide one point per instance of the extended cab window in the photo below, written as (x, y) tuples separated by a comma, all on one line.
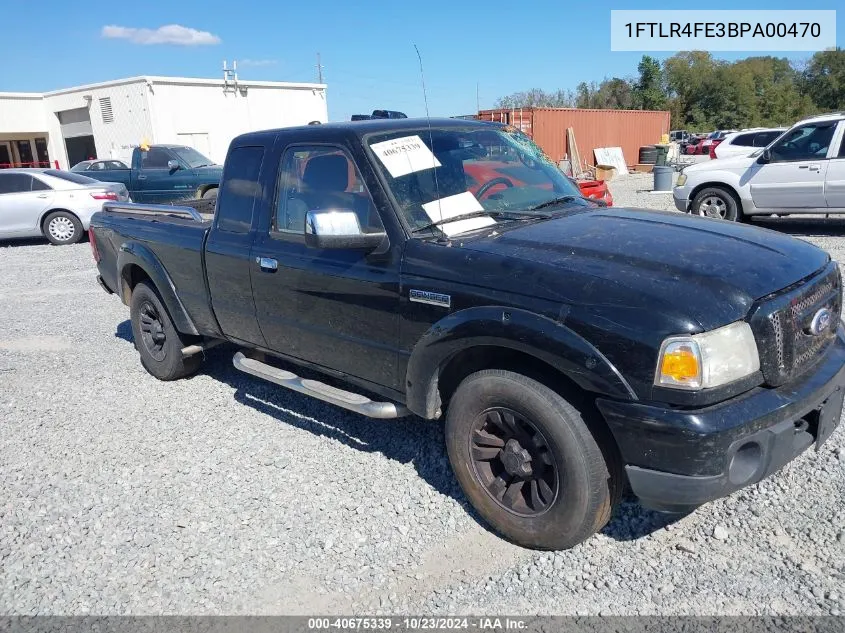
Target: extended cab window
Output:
[(808, 142), (312, 178), (15, 183), (156, 158), (239, 189)]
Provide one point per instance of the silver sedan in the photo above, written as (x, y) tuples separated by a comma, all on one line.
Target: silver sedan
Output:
[(53, 203)]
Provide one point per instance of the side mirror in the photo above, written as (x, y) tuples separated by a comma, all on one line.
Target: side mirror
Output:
[(173, 165), (338, 229), (765, 157)]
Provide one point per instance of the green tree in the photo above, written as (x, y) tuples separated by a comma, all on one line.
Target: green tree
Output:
[(648, 91), (824, 79)]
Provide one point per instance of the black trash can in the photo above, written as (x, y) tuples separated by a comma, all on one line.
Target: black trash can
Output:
[(648, 155), (663, 178)]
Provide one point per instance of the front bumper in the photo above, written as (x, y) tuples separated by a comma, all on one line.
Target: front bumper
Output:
[(678, 459), (679, 195)]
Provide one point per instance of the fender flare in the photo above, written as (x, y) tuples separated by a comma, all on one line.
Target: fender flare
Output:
[(133, 253), (520, 330)]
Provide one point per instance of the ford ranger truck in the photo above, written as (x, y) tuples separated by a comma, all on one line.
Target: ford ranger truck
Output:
[(571, 349)]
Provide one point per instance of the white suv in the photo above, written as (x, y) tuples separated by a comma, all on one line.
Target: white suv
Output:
[(803, 171), (746, 141)]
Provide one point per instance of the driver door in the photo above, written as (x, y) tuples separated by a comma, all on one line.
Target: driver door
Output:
[(335, 308), (794, 178)]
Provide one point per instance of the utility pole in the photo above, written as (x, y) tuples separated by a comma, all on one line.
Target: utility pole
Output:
[(319, 70)]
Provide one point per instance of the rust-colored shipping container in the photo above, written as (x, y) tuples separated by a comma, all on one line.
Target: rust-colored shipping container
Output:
[(628, 129)]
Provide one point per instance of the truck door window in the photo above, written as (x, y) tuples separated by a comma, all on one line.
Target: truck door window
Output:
[(313, 178), (155, 158), (239, 189)]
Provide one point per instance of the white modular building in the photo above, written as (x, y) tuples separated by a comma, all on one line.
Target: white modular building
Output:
[(106, 120)]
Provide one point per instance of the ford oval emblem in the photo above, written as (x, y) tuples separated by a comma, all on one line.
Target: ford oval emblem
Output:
[(821, 321)]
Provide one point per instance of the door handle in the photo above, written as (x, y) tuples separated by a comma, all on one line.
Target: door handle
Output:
[(267, 264), (815, 167), (42, 195), (142, 177)]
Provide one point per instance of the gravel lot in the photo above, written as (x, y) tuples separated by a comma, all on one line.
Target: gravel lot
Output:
[(223, 495)]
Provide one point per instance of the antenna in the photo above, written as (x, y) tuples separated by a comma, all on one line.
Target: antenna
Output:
[(430, 137), (319, 70)]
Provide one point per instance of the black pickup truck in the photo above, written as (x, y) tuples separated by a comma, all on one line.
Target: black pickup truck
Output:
[(447, 268)]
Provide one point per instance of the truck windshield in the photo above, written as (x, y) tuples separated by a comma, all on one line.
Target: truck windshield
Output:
[(447, 172), (192, 157)]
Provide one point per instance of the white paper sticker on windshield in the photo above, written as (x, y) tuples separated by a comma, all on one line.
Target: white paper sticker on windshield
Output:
[(451, 206), (402, 156)]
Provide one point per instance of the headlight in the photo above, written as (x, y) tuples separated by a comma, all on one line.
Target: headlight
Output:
[(682, 180), (707, 360)]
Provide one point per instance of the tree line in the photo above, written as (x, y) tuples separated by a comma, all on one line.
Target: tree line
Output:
[(704, 93)]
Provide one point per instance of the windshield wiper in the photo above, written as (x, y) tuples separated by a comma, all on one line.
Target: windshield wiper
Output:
[(508, 215), (554, 201)]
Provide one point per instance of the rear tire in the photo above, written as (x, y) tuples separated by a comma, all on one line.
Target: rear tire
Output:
[(210, 193), (527, 461), (62, 227), (156, 339), (718, 203)]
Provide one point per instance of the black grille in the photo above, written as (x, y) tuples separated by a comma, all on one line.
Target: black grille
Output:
[(781, 325)]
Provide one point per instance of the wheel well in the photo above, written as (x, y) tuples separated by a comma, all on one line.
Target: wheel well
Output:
[(47, 213), (132, 275), (717, 185), (481, 357), (205, 188)]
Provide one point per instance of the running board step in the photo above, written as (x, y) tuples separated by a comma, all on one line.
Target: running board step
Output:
[(346, 399)]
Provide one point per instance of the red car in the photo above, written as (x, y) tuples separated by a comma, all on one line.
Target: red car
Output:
[(706, 144), (480, 175)]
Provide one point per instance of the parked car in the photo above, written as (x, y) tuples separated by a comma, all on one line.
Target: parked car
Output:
[(802, 171), (99, 165), (388, 114), (572, 349), (679, 136), (53, 203), (164, 173), (744, 142), (703, 146)]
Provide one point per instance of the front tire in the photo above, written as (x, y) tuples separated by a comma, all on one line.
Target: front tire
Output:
[(158, 342), (718, 203), (527, 461), (210, 193), (62, 227)]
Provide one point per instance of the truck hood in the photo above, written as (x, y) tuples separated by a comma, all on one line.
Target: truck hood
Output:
[(707, 270)]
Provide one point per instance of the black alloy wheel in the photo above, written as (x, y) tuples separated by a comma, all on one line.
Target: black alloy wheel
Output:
[(153, 335), (512, 460)]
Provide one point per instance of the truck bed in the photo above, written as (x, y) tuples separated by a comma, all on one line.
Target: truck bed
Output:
[(175, 240)]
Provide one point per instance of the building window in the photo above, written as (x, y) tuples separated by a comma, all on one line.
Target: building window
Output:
[(105, 110)]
